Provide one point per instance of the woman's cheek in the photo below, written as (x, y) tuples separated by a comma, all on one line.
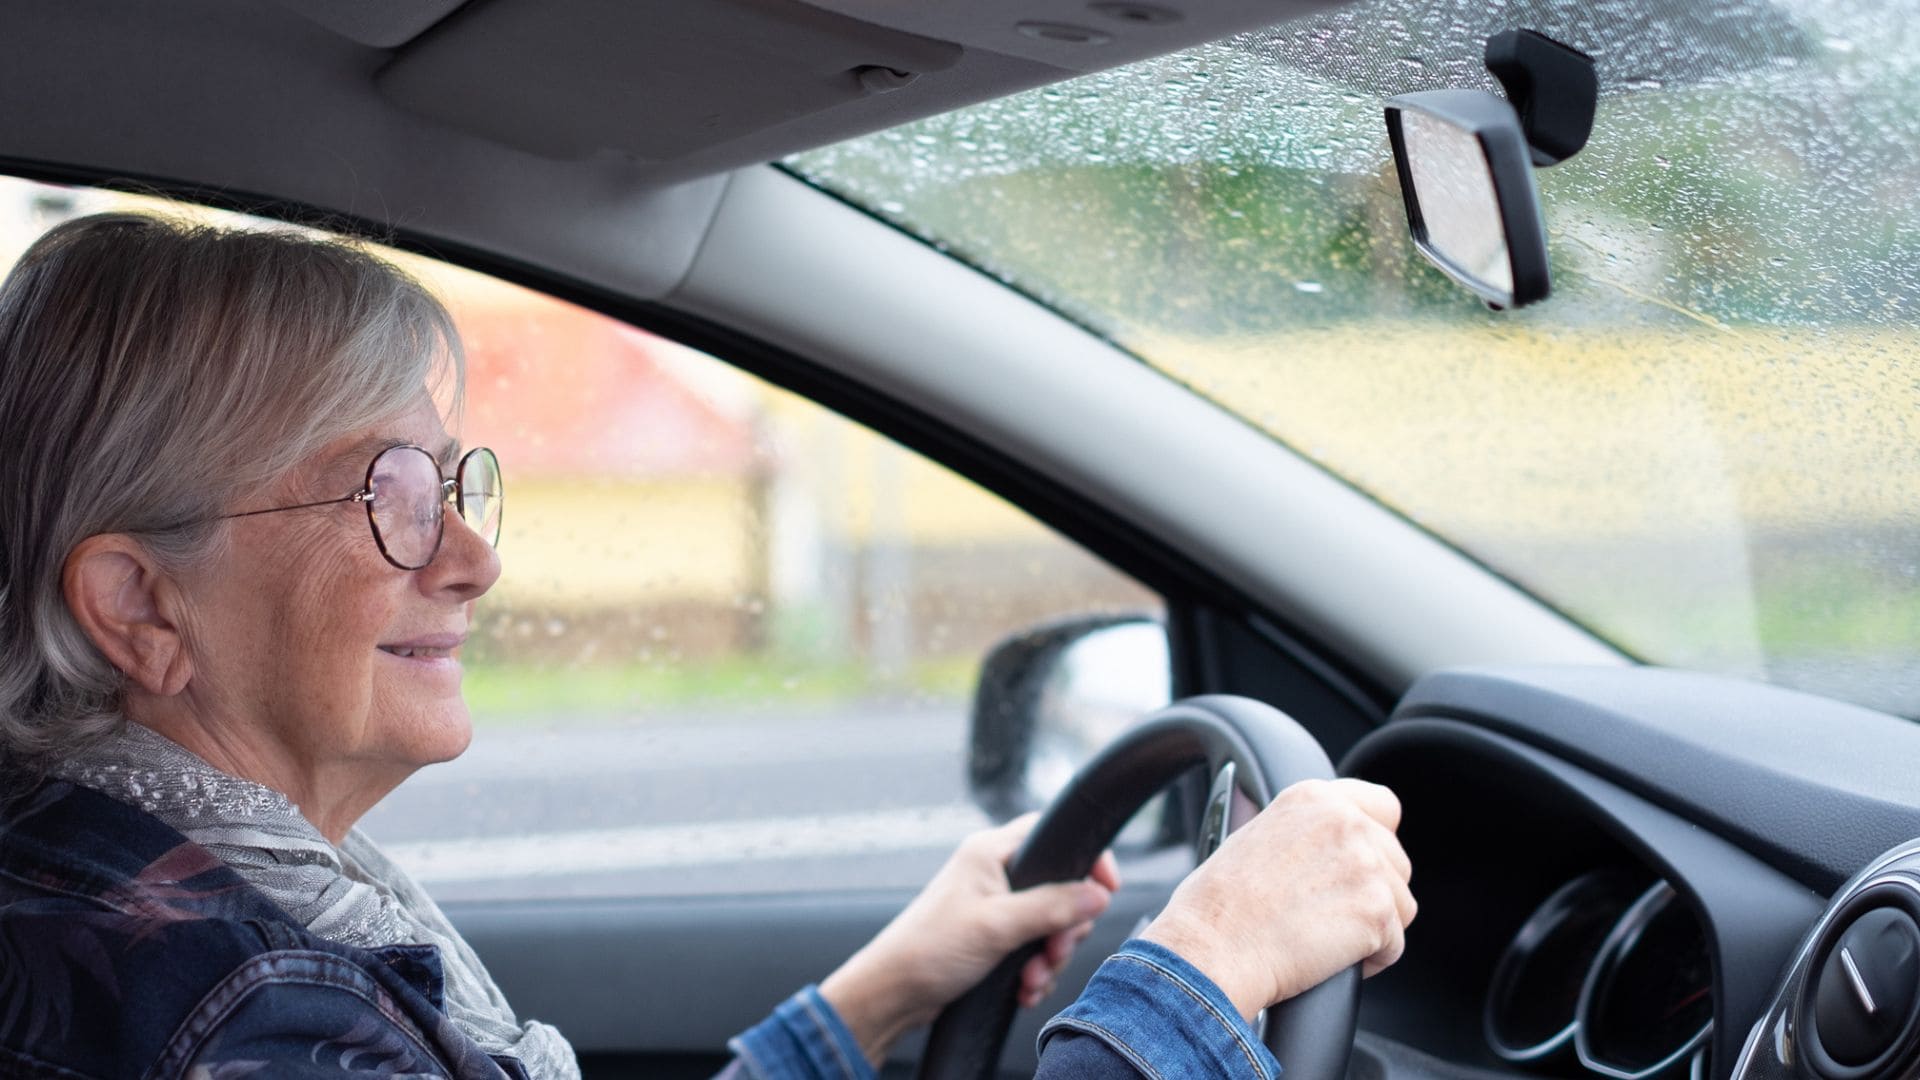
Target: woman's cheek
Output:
[(346, 611)]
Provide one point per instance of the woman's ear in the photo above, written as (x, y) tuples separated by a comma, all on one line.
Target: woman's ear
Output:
[(119, 596)]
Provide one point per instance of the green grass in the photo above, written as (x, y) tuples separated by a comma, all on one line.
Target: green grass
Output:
[(1797, 608), (512, 694), (1806, 618)]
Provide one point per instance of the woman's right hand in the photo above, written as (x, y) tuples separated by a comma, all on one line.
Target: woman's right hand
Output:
[(1315, 883)]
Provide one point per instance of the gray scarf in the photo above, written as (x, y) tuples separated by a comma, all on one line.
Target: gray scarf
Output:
[(350, 894)]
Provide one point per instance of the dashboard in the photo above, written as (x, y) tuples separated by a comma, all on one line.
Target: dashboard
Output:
[(1648, 875)]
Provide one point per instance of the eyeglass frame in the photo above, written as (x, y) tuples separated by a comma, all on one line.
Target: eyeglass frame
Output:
[(449, 492)]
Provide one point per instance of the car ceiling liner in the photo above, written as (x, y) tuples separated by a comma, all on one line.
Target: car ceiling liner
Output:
[(696, 89), (383, 24)]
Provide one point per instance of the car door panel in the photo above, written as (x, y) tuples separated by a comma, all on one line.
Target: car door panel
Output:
[(659, 985)]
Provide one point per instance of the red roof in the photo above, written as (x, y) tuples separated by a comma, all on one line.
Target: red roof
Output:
[(561, 391)]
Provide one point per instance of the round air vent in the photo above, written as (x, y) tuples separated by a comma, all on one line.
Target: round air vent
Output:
[(1860, 1012)]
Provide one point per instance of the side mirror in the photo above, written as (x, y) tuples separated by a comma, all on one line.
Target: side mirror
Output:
[(1466, 175), (1049, 698)]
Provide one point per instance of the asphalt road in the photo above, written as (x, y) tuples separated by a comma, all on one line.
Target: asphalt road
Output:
[(872, 796)]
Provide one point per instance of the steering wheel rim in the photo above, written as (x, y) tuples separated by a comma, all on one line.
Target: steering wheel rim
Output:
[(1311, 1034)]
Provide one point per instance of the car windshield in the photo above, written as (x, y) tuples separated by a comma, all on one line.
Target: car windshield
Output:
[(1703, 446)]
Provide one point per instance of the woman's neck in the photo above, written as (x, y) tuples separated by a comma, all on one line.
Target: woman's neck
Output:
[(332, 795)]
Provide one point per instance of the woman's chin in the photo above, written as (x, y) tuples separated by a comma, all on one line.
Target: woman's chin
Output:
[(444, 735), (447, 739), (426, 732)]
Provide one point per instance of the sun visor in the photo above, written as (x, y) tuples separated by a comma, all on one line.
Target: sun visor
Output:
[(656, 79), (1077, 36)]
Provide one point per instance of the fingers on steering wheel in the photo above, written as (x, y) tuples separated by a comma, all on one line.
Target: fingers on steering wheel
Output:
[(1042, 970), (1376, 801), (1394, 855), (1402, 868), (1060, 946), (1409, 907), (1002, 842), (1394, 933), (1036, 978), (1389, 954)]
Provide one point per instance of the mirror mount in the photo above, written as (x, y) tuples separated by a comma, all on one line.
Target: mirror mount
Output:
[(1553, 88)]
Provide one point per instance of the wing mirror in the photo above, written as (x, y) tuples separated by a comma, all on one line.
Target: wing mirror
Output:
[(1466, 158), (1050, 697)]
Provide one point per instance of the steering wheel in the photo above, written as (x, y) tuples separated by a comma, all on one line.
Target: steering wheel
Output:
[(1245, 745)]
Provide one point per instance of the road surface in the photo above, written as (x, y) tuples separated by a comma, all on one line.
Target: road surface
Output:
[(869, 796)]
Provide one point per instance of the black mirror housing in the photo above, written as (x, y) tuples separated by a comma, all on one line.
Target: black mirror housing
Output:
[(1036, 718), (1553, 87), (1466, 176)]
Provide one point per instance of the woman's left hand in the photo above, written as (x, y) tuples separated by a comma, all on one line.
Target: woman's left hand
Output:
[(956, 930)]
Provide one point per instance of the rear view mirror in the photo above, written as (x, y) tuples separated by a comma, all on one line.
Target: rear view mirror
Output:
[(1466, 174)]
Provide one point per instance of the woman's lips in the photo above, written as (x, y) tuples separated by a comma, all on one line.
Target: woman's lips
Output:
[(415, 652), (430, 649)]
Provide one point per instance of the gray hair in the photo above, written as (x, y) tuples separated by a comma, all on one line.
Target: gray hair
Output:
[(152, 373)]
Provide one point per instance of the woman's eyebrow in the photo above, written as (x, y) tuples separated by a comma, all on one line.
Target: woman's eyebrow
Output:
[(350, 464), (356, 457)]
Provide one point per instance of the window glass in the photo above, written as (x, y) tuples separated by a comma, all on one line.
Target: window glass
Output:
[(1702, 446), (734, 643)]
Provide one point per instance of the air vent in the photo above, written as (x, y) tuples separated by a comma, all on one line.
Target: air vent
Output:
[(1860, 1011)]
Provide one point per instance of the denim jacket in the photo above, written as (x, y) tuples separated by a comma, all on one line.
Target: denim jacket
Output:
[(127, 950)]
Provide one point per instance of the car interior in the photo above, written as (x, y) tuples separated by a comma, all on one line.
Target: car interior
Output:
[(1626, 869)]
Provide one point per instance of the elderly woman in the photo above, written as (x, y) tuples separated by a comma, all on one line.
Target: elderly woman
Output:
[(231, 612)]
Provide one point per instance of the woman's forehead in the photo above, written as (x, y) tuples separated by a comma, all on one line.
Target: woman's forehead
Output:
[(357, 453), (421, 426)]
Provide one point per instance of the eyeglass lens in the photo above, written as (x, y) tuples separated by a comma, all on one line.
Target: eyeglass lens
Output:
[(409, 499), (405, 508), (481, 495)]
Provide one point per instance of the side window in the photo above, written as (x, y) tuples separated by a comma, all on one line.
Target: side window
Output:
[(735, 642)]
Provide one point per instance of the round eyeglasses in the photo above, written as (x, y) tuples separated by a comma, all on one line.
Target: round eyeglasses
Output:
[(406, 500)]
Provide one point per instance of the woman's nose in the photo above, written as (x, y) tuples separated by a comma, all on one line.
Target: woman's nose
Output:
[(465, 567)]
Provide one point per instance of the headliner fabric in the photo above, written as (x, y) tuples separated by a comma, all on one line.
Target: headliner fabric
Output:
[(565, 78), (380, 23)]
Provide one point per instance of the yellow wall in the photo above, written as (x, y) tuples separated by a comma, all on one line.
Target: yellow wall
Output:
[(594, 544), (842, 465), (1590, 431)]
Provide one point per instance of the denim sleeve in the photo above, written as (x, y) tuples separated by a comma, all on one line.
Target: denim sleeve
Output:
[(1163, 1017), (804, 1039)]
